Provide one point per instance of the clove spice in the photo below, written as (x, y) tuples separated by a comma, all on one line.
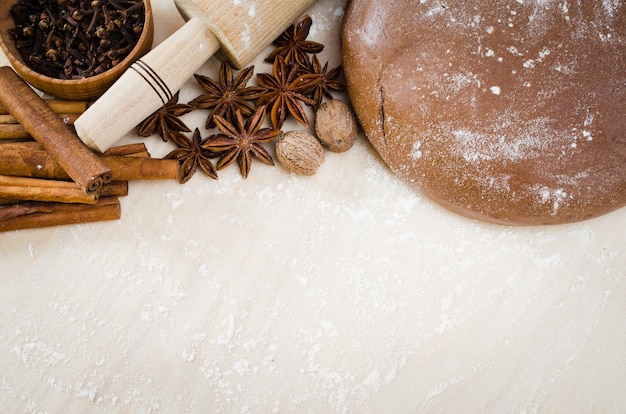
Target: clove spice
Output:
[(75, 39)]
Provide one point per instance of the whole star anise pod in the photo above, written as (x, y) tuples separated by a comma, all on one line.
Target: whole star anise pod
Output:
[(191, 154), (285, 89), (293, 46), (327, 81), (228, 95), (242, 140), (165, 120)]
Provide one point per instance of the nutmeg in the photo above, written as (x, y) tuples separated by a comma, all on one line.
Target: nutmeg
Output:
[(335, 126), (299, 152)]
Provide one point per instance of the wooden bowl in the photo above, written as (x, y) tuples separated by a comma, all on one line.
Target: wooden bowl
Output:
[(79, 89)]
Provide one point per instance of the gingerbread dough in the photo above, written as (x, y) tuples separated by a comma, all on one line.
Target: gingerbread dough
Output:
[(506, 111)]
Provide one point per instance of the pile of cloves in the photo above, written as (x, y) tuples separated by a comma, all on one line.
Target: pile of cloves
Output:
[(75, 39)]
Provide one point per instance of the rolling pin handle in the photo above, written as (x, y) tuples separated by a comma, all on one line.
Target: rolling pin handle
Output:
[(148, 84)]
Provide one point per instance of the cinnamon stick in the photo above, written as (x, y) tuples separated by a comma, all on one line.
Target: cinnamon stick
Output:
[(10, 129), (6, 201), (31, 111), (29, 215), (134, 150), (7, 119), (67, 118), (30, 159), (60, 106), (141, 168), (68, 111), (13, 131), (36, 189), (112, 189)]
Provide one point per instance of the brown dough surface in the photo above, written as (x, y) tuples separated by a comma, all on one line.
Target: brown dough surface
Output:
[(506, 111)]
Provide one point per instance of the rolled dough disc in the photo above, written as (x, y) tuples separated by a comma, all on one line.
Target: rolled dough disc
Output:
[(507, 111)]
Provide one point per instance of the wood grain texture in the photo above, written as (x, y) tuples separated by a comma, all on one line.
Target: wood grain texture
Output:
[(244, 29), (147, 86)]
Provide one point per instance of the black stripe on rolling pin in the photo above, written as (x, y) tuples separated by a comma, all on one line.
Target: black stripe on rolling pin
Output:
[(153, 79)]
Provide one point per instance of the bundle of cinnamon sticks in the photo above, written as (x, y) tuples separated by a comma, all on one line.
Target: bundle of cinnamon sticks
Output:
[(48, 177)]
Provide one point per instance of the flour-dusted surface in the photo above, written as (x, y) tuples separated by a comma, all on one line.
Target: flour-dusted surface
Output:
[(344, 292)]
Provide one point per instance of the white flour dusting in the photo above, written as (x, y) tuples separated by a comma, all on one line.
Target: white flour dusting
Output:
[(556, 197), (489, 144)]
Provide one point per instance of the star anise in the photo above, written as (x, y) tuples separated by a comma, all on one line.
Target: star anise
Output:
[(293, 46), (191, 154), (228, 95), (327, 80), (241, 141), (284, 89), (165, 120)]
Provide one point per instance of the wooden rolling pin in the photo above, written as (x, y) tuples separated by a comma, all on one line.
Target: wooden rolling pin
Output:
[(238, 30)]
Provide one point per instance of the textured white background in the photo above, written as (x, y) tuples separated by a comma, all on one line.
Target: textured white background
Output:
[(343, 292)]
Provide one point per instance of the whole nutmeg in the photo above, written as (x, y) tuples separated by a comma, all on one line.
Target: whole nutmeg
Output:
[(335, 126), (299, 152)]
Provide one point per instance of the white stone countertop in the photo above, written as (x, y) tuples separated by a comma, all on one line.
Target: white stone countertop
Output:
[(344, 292)]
